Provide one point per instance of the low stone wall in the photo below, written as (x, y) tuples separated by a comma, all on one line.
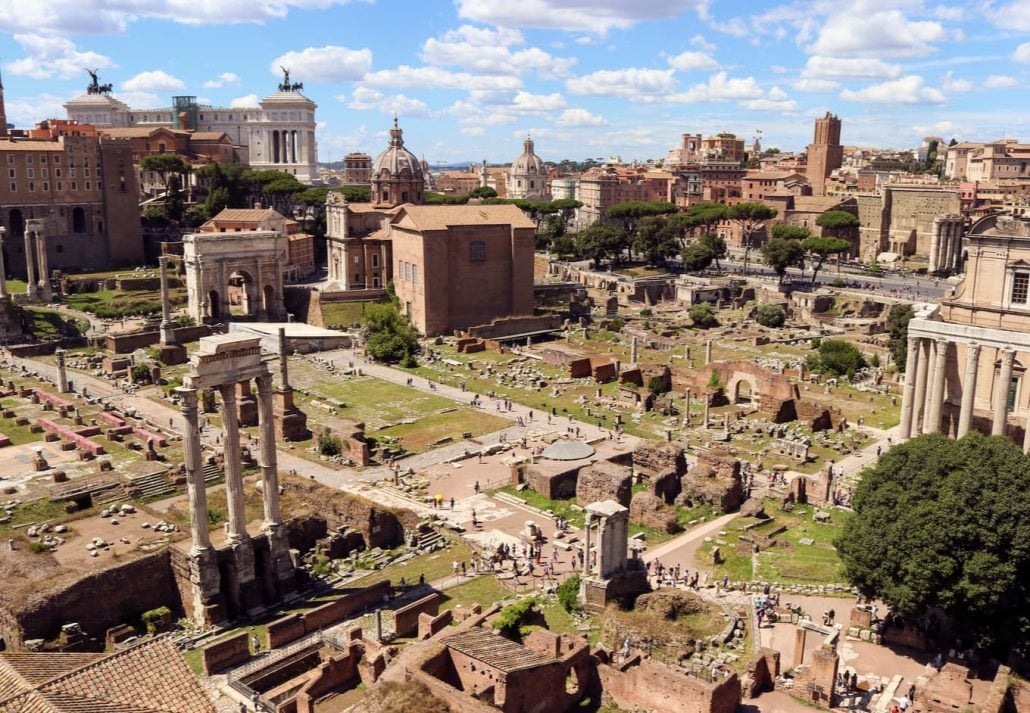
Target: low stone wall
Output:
[(653, 687), (406, 619), (430, 625), (509, 326), (128, 343), (293, 626), (226, 653)]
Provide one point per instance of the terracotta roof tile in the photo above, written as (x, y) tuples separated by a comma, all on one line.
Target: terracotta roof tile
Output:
[(495, 650), (441, 217)]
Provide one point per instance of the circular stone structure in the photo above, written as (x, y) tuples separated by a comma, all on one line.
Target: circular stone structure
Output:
[(568, 450)]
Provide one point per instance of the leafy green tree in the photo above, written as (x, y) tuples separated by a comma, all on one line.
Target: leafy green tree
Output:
[(750, 217), (655, 240), (769, 314), (702, 315), (568, 593), (175, 205), (715, 245), (356, 194), (836, 357), (156, 215), (838, 222), (600, 242), (483, 192), (165, 165), (821, 247), (705, 215), (897, 326), (696, 257), (328, 444), (627, 214), (790, 232), (389, 336), (943, 524), (564, 247), (782, 253)]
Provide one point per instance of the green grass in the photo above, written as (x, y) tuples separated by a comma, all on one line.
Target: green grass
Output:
[(49, 323), (483, 590), (419, 436), (123, 303), (434, 566), (379, 403), (561, 508), (342, 314), (38, 511)]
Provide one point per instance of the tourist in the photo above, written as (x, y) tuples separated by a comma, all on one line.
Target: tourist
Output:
[(463, 568), (421, 578), (476, 486), (452, 503), (454, 568)]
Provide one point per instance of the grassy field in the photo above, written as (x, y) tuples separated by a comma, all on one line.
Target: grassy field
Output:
[(434, 566), (119, 303), (789, 561), (483, 590), (336, 315)]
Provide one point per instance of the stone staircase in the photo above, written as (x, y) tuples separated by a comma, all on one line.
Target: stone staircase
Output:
[(431, 540), (151, 484), (211, 472)]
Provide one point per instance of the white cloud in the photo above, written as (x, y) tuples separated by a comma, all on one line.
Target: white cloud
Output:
[(692, 61), (815, 86), (639, 84), (957, 86), (584, 40), (778, 69), (907, 90), (249, 101), (324, 64), (91, 17), (702, 43), (598, 16), (819, 67), (886, 33), (473, 131), (999, 81), (720, 87), (537, 103), (366, 98), (154, 81), (941, 128), (579, 117), (1022, 53), (50, 56), (26, 111), (436, 78), (1014, 15), (225, 79), (487, 51)]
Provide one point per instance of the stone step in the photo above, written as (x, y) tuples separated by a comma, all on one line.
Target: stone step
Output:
[(883, 704)]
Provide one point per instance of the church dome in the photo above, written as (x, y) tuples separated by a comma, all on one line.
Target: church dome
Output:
[(396, 161), (528, 164)]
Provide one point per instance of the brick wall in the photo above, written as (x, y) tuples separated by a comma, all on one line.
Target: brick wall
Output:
[(654, 687), (406, 619), (225, 653), (293, 626)]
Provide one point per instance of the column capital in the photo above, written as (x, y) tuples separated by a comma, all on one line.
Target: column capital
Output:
[(913, 340), (162, 260), (228, 392), (187, 398), (942, 342), (974, 347), (1008, 356)]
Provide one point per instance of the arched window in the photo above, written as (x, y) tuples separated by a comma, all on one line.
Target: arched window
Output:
[(79, 221)]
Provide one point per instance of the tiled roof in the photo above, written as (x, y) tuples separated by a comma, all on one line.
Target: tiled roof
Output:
[(138, 132), (495, 650), (434, 217), (149, 678), (246, 215), (30, 145)]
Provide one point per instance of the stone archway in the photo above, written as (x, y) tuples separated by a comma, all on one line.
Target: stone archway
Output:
[(742, 394), (241, 270)]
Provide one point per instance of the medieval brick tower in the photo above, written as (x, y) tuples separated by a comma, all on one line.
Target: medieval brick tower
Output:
[(824, 153)]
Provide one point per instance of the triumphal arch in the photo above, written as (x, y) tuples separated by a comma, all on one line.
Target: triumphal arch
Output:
[(229, 580), (238, 273)]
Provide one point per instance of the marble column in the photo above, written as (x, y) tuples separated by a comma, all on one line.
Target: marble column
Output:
[(936, 235), (3, 269), (931, 351), (937, 393), (1001, 393), (284, 360), (919, 398), (908, 391), (586, 546), (62, 372), (194, 469), (167, 327), (686, 410), (708, 398), (233, 465), (708, 352), (965, 414), (32, 289), (269, 464), (45, 292)]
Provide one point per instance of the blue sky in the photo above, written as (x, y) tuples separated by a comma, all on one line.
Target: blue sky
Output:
[(469, 78)]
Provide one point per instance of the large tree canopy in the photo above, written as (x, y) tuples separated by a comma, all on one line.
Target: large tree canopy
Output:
[(942, 523)]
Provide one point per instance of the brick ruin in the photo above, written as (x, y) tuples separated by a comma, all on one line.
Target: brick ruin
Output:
[(747, 383), (715, 480)]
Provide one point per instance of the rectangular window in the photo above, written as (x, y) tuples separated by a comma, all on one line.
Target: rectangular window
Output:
[(32, 187), (42, 158), (88, 186), (1020, 287), (414, 275), (1013, 392), (28, 159), (44, 173), (11, 173), (477, 251), (31, 172), (10, 158), (85, 172), (72, 171), (57, 172), (57, 160), (46, 186), (75, 186), (14, 188), (60, 186)]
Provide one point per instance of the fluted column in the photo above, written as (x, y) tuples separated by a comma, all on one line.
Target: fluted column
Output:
[(32, 289), (965, 414), (269, 463), (233, 465), (3, 269), (908, 391), (167, 327), (919, 397), (1001, 393), (194, 469), (586, 546), (937, 393)]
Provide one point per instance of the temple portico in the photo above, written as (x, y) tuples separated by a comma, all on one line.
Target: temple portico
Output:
[(958, 377), (223, 362)]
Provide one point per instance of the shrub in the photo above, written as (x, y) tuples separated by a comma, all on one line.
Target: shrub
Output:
[(837, 357), (702, 315), (654, 385), (408, 362), (157, 619), (770, 315), (511, 618), (568, 594), (140, 374), (328, 444), (616, 324), (646, 312)]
